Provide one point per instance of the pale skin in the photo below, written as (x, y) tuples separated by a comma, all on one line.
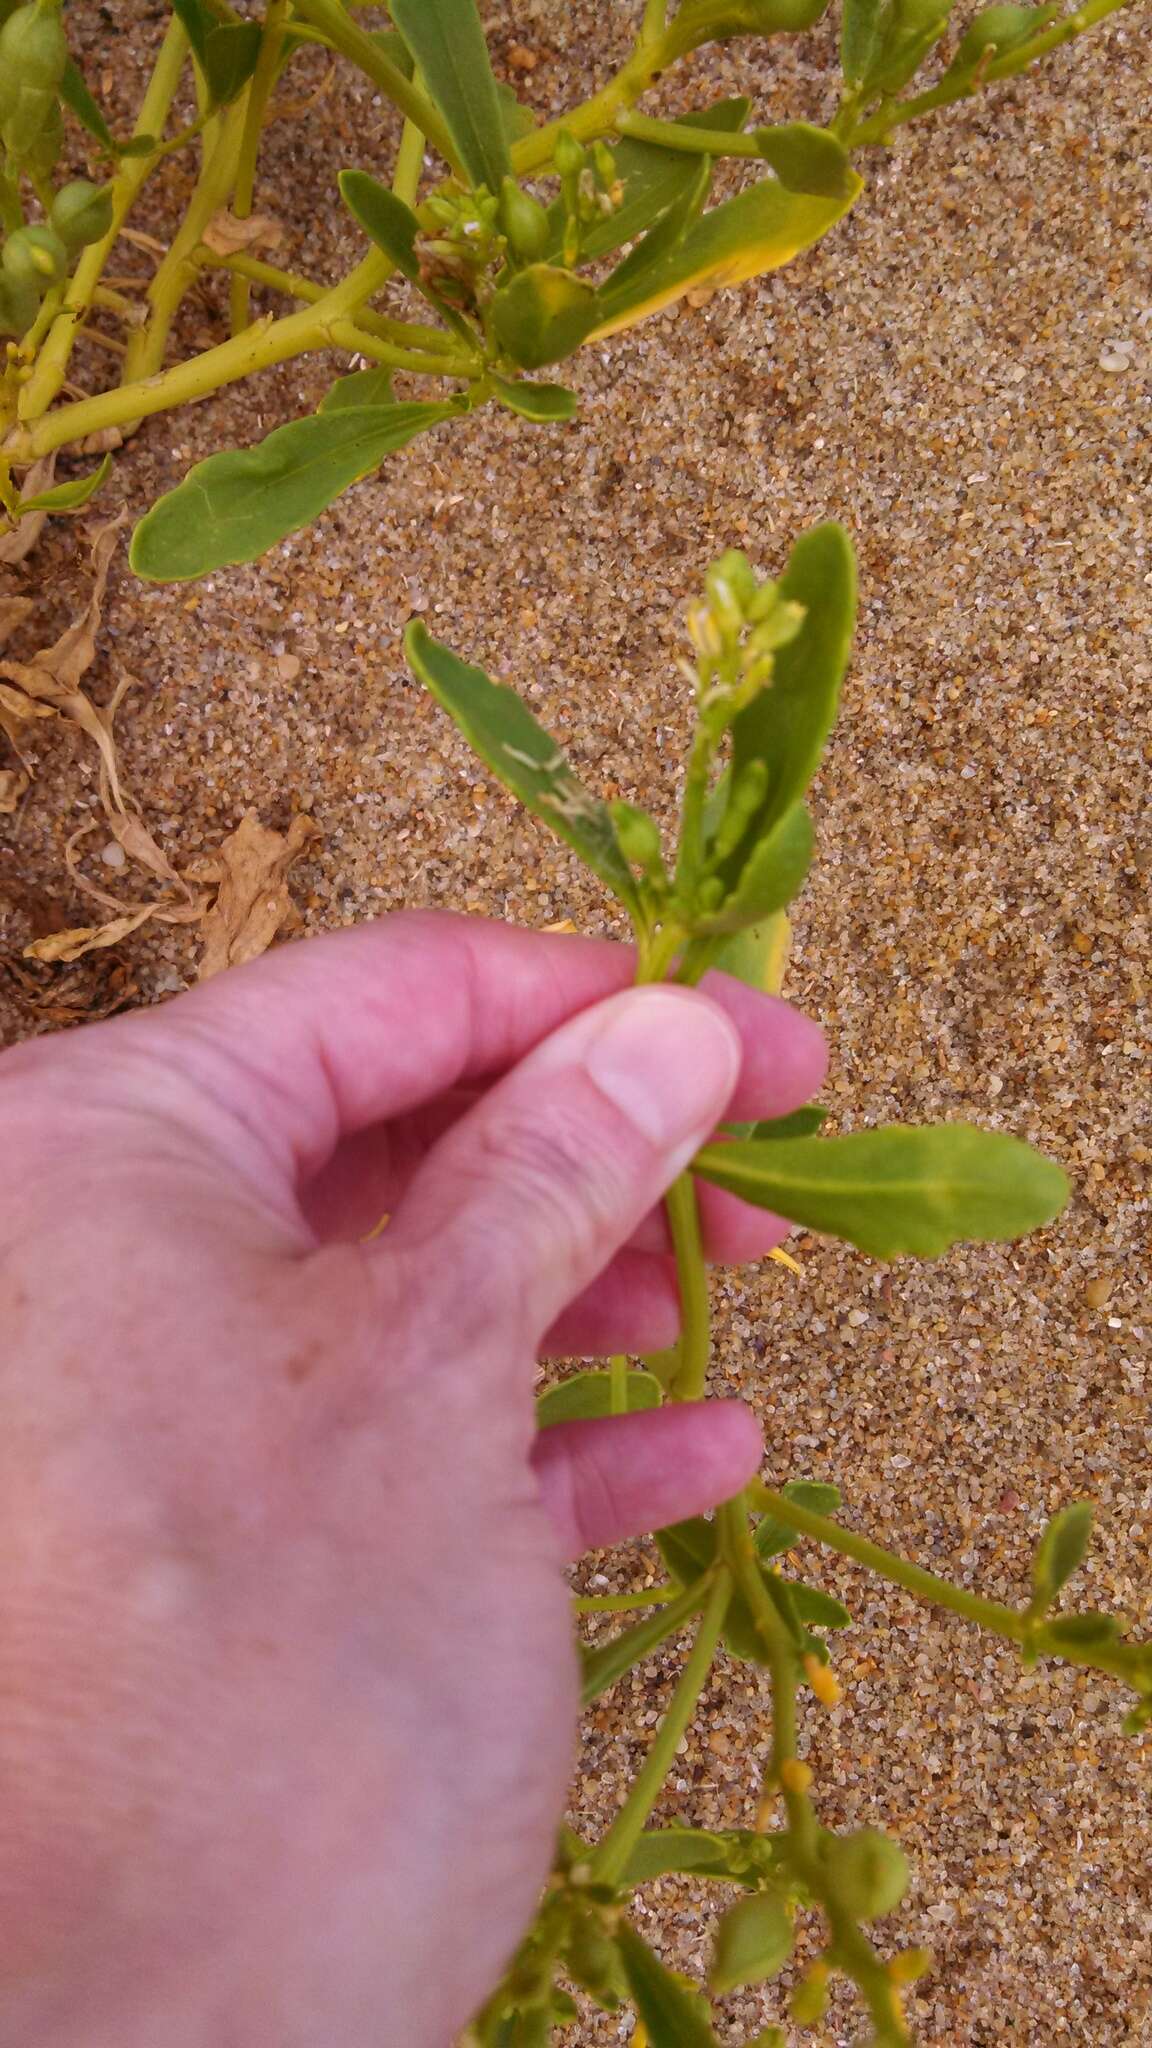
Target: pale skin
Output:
[(287, 1681)]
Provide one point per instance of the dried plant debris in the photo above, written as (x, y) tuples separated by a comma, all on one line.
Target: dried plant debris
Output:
[(252, 902)]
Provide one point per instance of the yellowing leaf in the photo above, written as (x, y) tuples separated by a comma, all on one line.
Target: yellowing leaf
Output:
[(762, 229), (87, 938)]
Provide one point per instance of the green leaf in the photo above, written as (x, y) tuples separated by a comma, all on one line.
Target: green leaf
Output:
[(771, 872), (594, 1961), (869, 1870), (603, 1665), (540, 402), (588, 1395), (816, 1608), (762, 229), (998, 29), (447, 42), (385, 219), (806, 159), (859, 34), (653, 178), (542, 314), (733, 1855), (771, 1537), (688, 1548), (236, 505), (75, 94), (68, 497), (674, 2017), (908, 29), (800, 1124), (1081, 1631), (360, 389), (500, 728), (226, 51), (898, 1188), (1061, 1550), (787, 724), (753, 1941), (518, 119), (645, 258)]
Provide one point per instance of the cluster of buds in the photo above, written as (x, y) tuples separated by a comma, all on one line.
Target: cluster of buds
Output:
[(737, 630), (38, 256), (467, 241), (33, 60), (590, 188)]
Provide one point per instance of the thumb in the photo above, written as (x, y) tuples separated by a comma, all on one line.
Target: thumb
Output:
[(531, 1194)]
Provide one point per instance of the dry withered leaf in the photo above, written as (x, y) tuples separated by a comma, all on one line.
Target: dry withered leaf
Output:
[(225, 235), (13, 612), (20, 540), (13, 784), (252, 899), (87, 938)]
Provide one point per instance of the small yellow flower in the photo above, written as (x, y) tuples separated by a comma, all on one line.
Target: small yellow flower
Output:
[(823, 1682), (795, 1776)]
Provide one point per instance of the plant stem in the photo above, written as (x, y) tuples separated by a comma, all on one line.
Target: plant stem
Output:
[(352, 41), (178, 271), (692, 1278), (877, 127), (622, 1603), (405, 333), (1008, 1622), (359, 340), (598, 114), (51, 368), (409, 162), (655, 16), (693, 141), (259, 93), (618, 1385), (611, 1660), (610, 1858)]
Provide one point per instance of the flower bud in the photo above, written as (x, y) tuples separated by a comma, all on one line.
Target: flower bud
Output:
[(35, 255), (525, 222), (568, 156), (81, 213)]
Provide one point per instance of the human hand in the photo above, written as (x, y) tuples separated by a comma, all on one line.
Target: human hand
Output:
[(288, 1695)]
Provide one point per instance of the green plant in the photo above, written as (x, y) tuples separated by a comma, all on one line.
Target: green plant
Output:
[(769, 658), (515, 252)]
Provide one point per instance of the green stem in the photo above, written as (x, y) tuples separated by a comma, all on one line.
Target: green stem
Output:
[(179, 270), (352, 41), (405, 333), (877, 127), (692, 1278), (359, 340), (623, 1603), (259, 93), (655, 16), (610, 1858), (618, 1385), (51, 367), (409, 161), (1013, 1625), (598, 115), (693, 141), (606, 1664)]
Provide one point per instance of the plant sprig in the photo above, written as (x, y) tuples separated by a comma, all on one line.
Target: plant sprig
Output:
[(767, 662)]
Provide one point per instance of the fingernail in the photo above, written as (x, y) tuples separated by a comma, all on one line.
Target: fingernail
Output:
[(668, 1059)]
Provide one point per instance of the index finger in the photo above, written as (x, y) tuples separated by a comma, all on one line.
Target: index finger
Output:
[(322, 1039)]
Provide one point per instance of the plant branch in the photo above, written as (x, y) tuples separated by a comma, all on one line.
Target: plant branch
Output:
[(694, 1344), (352, 41), (1000, 1620), (405, 333), (51, 367), (693, 141), (622, 1603), (259, 93), (610, 1858), (877, 127)]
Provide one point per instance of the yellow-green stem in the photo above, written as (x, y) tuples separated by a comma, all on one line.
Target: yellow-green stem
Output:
[(179, 269), (259, 93), (345, 35), (51, 367), (405, 333), (623, 1603), (610, 1859)]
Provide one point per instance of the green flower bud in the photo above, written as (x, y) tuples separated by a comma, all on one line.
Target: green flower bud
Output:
[(33, 57), (869, 1870), (604, 164), (35, 255), (81, 213), (639, 837), (525, 222), (569, 155), (43, 152), (19, 305)]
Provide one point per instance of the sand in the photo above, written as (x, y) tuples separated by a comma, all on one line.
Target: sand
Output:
[(961, 373)]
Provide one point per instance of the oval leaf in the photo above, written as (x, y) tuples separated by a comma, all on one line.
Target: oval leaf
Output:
[(806, 159), (543, 314), (1081, 1631), (501, 729), (540, 402), (234, 506), (753, 1941), (385, 219), (588, 1395), (732, 1855), (447, 41), (1061, 1550), (771, 872), (896, 1189), (361, 388), (761, 229)]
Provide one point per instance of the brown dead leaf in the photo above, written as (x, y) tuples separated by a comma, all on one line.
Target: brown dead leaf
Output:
[(252, 899), (104, 440), (13, 612), (86, 938), (50, 682), (225, 235), (20, 540), (13, 783)]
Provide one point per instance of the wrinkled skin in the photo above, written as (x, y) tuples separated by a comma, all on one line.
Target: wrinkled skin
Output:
[(288, 1698)]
